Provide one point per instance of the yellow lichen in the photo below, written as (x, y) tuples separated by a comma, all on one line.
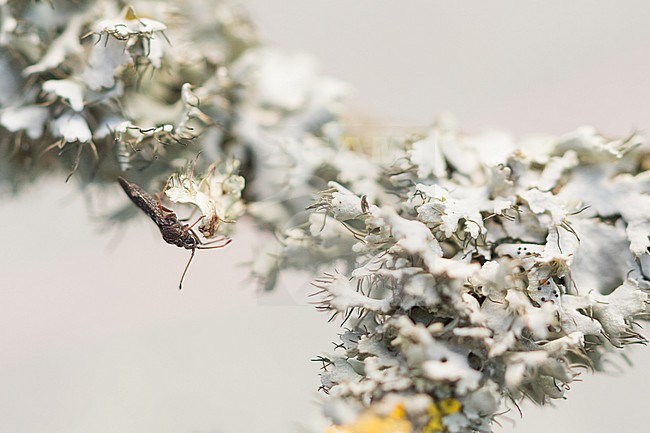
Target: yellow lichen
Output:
[(439, 411), (370, 422), (397, 421), (449, 406)]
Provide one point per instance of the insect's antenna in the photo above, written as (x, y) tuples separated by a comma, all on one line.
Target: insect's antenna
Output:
[(180, 284), (202, 247)]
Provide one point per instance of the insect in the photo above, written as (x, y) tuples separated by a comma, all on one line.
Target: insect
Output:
[(171, 228)]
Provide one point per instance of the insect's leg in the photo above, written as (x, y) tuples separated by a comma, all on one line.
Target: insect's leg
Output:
[(160, 205), (180, 284), (219, 239), (165, 210), (159, 197), (202, 247), (186, 228), (189, 229)]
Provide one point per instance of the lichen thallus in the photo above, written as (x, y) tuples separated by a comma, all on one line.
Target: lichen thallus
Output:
[(172, 230)]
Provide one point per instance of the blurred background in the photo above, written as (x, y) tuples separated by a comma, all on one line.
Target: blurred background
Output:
[(94, 335)]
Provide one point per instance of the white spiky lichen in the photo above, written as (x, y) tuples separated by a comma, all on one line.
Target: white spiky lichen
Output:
[(218, 197), (493, 278), (140, 89)]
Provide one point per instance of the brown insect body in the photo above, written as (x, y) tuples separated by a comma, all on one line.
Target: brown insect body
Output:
[(177, 234), (172, 230)]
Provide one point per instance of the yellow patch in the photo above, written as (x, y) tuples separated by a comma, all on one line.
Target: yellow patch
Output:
[(439, 411), (396, 421), (449, 406)]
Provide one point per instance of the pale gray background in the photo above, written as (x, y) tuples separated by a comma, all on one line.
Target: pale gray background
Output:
[(95, 338)]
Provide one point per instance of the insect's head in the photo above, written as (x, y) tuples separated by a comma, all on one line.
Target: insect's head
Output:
[(190, 241)]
